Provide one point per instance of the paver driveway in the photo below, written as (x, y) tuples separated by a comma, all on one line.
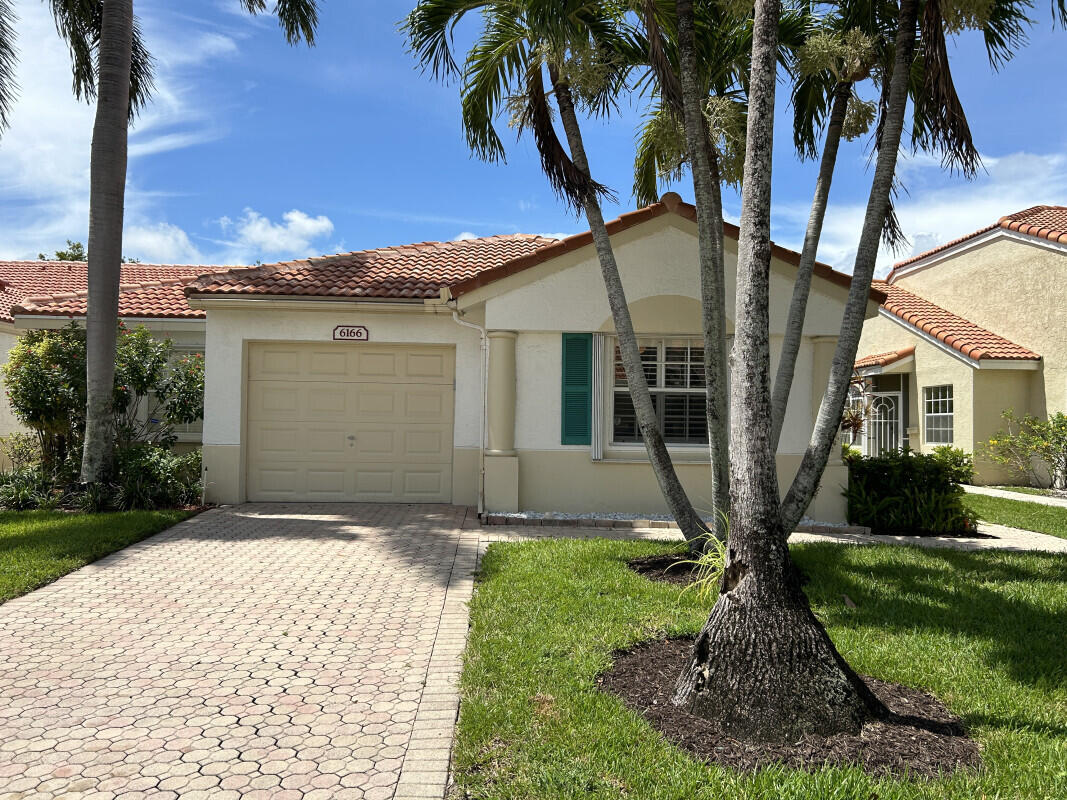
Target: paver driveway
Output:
[(276, 651)]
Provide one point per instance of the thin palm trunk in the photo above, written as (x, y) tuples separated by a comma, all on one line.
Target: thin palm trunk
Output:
[(794, 327), (707, 191), (107, 184), (828, 421), (763, 667), (681, 508)]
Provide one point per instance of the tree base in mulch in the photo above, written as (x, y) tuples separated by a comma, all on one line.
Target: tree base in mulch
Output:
[(921, 738), (669, 568)]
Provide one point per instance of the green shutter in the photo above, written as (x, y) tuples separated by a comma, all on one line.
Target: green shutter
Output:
[(576, 425)]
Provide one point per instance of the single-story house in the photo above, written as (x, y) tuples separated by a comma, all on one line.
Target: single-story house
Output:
[(51, 294), (968, 330), (482, 371)]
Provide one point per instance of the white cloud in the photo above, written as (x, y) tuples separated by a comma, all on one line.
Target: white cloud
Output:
[(554, 235), (253, 236), (162, 243), (44, 156), (937, 209), (464, 236)]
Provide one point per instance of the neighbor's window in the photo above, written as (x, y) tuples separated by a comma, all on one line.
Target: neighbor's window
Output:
[(674, 369), (937, 402)]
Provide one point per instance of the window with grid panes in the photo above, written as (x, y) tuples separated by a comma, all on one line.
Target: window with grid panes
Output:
[(674, 369), (937, 408)]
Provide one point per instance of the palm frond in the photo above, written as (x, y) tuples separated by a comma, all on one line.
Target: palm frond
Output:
[(8, 58), (498, 61), (78, 24), (573, 186), (430, 30), (297, 18), (939, 119), (662, 154)]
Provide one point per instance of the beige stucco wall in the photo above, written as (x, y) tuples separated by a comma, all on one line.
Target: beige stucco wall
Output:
[(657, 261), (932, 367), (555, 480), (1013, 287)]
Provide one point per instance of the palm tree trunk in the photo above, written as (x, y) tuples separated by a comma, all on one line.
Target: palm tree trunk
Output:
[(107, 184), (794, 327), (707, 192), (763, 668), (828, 421), (681, 508)]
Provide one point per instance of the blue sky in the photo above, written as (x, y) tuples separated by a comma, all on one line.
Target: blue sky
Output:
[(256, 150)]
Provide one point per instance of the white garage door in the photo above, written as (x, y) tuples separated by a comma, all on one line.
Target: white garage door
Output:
[(350, 422)]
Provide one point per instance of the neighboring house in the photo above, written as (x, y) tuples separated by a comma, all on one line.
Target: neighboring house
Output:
[(483, 371), (968, 330), (52, 294)]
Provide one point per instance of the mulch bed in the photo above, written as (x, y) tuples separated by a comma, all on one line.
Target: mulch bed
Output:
[(921, 738), (670, 568)]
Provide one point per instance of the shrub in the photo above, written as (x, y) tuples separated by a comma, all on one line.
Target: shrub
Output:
[(959, 463), (150, 477), (1033, 448), (907, 493), (27, 488), (154, 391), (21, 450)]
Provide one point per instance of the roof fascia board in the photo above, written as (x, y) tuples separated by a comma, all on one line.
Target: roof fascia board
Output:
[(208, 302), (888, 369), (28, 322), (980, 240)]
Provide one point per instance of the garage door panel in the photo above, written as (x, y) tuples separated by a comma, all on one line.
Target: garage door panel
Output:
[(350, 422)]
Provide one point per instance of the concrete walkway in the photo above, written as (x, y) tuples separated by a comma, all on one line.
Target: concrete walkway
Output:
[(290, 652), (1040, 499)]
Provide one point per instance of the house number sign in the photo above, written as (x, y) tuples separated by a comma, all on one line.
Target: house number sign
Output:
[(351, 333)]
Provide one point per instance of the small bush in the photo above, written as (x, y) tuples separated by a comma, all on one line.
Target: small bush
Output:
[(26, 488), (149, 477), (1033, 448), (960, 464), (907, 493)]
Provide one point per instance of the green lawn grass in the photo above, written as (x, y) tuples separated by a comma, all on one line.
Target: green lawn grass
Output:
[(36, 547), (1020, 514), (983, 631)]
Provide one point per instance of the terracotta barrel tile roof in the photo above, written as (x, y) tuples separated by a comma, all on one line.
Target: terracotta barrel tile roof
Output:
[(1042, 222), (959, 333), (884, 359), (409, 272), (35, 285)]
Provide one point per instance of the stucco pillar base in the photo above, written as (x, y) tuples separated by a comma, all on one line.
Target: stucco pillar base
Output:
[(222, 473), (501, 483)]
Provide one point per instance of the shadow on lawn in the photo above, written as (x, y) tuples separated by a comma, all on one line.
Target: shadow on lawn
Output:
[(951, 596)]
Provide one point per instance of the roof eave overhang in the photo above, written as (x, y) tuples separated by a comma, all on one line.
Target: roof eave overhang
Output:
[(892, 368), (979, 240), (248, 302), (27, 322), (975, 363)]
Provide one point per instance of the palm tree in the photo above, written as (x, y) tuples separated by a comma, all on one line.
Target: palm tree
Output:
[(577, 44), (112, 67)]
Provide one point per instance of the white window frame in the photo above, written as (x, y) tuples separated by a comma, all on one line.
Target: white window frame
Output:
[(932, 395), (604, 445), (183, 433)]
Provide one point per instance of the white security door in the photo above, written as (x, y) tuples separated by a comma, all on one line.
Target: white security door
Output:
[(883, 424), (350, 422)]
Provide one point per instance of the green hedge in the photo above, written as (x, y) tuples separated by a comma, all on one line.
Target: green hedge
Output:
[(908, 493)]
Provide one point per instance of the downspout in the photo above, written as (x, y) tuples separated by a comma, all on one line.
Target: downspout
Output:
[(484, 380)]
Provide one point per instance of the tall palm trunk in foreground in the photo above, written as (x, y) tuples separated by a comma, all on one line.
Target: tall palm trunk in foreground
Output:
[(763, 666), (707, 190), (107, 182), (794, 326), (678, 502), (828, 421)]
